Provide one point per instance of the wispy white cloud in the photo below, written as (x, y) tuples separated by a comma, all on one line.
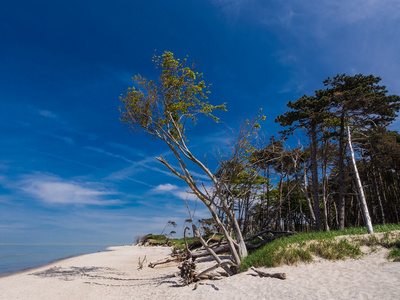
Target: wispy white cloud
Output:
[(64, 125), (4, 166), (47, 114), (5, 199), (328, 13), (51, 189), (128, 149), (182, 193), (232, 8), (344, 12), (122, 76), (138, 167), (165, 188), (102, 151), (65, 139), (323, 38)]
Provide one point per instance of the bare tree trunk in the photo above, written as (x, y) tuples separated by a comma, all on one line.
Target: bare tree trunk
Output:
[(314, 172), (378, 195), (279, 225), (268, 191), (305, 193), (324, 186), (394, 203), (359, 186), (341, 175), (324, 200)]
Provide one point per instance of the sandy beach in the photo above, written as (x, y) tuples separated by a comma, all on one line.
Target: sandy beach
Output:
[(115, 275)]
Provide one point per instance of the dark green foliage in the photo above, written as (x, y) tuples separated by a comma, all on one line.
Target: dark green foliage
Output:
[(154, 239), (361, 98), (360, 105), (179, 244)]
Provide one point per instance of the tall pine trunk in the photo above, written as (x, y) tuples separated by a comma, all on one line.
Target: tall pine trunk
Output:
[(341, 207), (314, 173), (363, 201)]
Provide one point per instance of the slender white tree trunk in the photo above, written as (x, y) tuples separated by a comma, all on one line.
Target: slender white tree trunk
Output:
[(359, 185)]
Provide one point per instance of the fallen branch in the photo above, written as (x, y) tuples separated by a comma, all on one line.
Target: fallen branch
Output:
[(141, 262), (166, 260), (210, 251), (202, 253), (210, 238), (203, 275), (273, 275)]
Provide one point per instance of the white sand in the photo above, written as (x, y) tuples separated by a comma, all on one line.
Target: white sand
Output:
[(114, 275)]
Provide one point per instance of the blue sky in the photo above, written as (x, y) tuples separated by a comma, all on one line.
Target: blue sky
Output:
[(70, 172)]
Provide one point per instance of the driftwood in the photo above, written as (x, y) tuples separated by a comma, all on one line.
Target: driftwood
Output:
[(202, 253), (188, 272), (141, 262), (221, 247), (211, 238), (166, 260), (203, 274), (212, 252), (273, 275)]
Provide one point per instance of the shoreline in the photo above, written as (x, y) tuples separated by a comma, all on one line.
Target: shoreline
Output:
[(114, 274), (24, 270), (51, 262)]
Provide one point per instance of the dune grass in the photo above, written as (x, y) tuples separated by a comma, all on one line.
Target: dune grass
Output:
[(394, 254), (305, 246), (302, 247)]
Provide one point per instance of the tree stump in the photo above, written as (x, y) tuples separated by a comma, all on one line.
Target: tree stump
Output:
[(188, 272)]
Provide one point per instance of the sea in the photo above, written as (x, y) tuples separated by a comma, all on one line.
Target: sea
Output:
[(18, 258)]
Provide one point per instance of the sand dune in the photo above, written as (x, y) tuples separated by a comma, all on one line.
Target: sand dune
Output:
[(115, 275)]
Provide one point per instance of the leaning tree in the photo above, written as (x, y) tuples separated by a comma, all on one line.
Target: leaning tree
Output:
[(164, 109)]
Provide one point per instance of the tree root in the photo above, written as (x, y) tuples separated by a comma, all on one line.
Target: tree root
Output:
[(189, 274), (273, 275)]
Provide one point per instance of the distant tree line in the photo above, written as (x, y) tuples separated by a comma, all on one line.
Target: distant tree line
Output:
[(317, 185)]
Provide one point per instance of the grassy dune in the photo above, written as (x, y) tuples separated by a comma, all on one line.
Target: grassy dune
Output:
[(304, 247)]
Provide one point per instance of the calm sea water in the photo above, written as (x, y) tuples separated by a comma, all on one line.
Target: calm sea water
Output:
[(14, 258)]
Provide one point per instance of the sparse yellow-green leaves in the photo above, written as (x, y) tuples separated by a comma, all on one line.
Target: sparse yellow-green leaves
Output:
[(165, 105)]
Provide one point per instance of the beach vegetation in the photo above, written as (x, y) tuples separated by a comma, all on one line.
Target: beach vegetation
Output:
[(394, 254), (305, 247), (154, 240)]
